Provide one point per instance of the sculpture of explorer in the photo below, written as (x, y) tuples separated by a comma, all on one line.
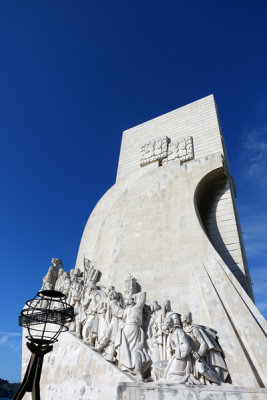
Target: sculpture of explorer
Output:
[(179, 368), (132, 353), (209, 366)]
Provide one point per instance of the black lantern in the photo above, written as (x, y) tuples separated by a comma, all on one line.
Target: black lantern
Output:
[(44, 317)]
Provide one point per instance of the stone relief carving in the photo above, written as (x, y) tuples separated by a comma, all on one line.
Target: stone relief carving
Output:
[(130, 286), (179, 368), (186, 149), (210, 365), (50, 278), (154, 150), (152, 343), (90, 273), (166, 150)]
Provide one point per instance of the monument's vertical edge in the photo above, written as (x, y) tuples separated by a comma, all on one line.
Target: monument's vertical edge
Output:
[(242, 260)]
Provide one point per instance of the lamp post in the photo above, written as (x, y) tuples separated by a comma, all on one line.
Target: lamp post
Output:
[(44, 317)]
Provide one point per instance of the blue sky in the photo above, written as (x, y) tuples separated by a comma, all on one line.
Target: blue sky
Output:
[(73, 72)]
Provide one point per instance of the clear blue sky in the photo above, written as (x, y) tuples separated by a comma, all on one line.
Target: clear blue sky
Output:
[(72, 72)]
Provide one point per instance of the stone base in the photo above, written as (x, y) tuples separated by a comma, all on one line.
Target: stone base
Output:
[(72, 371), (152, 391)]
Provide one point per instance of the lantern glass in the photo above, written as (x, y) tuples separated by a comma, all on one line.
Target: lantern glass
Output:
[(45, 317)]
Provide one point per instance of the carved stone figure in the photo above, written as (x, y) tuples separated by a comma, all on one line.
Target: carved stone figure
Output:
[(102, 318), (210, 365), (132, 353), (109, 341), (166, 312), (60, 280), (90, 273), (155, 334), (66, 283), (91, 325), (56, 262), (50, 278), (85, 300), (136, 337), (76, 291), (166, 309), (72, 272), (179, 368)]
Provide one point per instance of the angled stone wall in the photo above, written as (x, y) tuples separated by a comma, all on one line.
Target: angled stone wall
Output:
[(72, 371), (133, 391)]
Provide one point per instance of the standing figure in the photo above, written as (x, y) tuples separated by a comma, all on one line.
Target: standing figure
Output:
[(60, 280), (210, 366), (50, 278), (114, 315), (90, 273), (91, 304), (132, 353), (155, 334), (76, 296), (66, 284), (102, 317), (166, 312)]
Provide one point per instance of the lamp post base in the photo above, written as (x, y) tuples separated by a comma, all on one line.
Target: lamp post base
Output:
[(32, 375)]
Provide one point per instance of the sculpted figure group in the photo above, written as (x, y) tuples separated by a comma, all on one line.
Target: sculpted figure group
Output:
[(150, 342)]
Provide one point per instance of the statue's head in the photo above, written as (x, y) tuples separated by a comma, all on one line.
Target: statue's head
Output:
[(168, 324), (154, 305), (186, 317), (167, 305), (110, 288), (113, 295), (56, 262), (176, 319), (129, 301)]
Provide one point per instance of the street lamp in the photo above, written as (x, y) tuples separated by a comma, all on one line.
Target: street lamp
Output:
[(44, 317)]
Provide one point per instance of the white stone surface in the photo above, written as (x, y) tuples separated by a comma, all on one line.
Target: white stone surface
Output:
[(72, 371), (198, 120), (133, 391)]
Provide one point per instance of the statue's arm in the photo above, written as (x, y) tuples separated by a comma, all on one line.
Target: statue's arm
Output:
[(203, 348), (141, 300)]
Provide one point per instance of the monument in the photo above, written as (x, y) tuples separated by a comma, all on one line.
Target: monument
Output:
[(161, 289)]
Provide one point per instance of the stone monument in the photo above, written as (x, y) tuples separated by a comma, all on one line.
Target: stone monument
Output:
[(161, 288)]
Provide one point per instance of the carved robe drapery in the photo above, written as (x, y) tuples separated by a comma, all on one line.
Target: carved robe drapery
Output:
[(132, 335), (179, 368)]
